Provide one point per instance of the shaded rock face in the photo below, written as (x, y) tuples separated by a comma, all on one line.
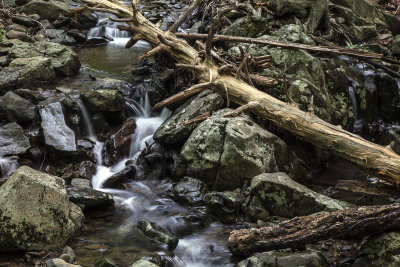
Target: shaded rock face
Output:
[(35, 213), (12, 140), (17, 108), (224, 206), (284, 259), (173, 131), (117, 146), (50, 10), (158, 234), (380, 250), (281, 196), (225, 153), (189, 191), (117, 179), (58, 136), (152, 163)]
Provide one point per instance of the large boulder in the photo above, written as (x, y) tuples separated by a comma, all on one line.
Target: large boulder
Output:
[(25, 72), (380, 250), (35, 213), (285, 259), (17, 109), (12, 140), (281, 196), (49, 10), (63, 59), (57, 135), (225, 153), (173, 130)]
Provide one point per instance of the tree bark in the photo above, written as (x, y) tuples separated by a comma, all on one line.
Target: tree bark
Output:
[(379, 161), (348, 223)]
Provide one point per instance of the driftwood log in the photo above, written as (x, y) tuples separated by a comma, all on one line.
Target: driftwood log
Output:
[(379, 161), (348, 223)]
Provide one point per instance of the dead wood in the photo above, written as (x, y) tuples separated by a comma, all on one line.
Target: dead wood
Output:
[(198, 119), (348, 223), (378, 160)]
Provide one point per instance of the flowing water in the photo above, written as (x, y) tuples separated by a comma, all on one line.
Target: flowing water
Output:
[(111, 233), (8, 165)]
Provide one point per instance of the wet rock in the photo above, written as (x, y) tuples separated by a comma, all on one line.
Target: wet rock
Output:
[(285, 259), (35, 212), (23, 72), (158, 234), (87, 169), (12, 140), (173, 131), (226, 153), (105, 263), (33, 96), (117, 145), (224, 206), (81, 183), (380, 250), (388, 95), (110, 102), (49, 10), (58, 36), (26, 21), (281, 196), (117, 179), (152, 163), (85, 149), (59, 263), (190, 223), (99, 123), (189, 191), (143, 263), (78, 36), (63, 60), (89, 197), (17, 109), (58, 136)]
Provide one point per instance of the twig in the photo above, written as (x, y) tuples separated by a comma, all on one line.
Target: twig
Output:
[(184, 16), (198, 118), (44, 158)]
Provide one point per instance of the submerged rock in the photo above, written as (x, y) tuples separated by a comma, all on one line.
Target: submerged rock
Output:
[(281, 196), (224, 206), (58, 136), (226, 153), (35, 213), (105, 263), (173, 131), (285, 259), (89, 197), (12, 140), (157, 233), (17, 109)]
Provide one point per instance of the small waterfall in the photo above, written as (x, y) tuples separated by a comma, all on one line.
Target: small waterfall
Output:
[(7, 166), (106, 28), (358, 123), (86, 121)]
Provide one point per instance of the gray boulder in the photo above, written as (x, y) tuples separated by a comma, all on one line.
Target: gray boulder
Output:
[(35, 213), (226, 153), (17, 109), (380, 250), (281, 196), (49, 10), (285, 259), (12, 140), (173, 131), (58, 136), (189, 191)]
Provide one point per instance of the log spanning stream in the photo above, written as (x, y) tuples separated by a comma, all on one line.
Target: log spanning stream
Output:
[(112, 235)]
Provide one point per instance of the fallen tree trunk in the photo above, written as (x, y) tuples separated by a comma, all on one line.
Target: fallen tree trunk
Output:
[(379, 161), (348, 223)]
